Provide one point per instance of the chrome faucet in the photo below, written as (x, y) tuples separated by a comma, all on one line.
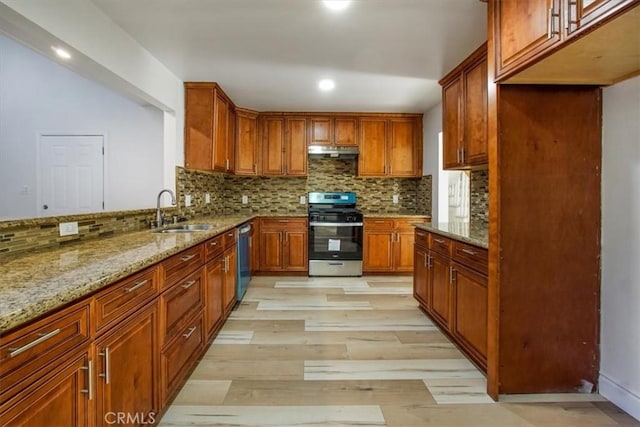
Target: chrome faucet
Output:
[(159, 220)]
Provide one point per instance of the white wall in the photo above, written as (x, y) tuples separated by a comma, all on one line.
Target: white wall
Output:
[(38, 95), (432, 125), (109, 55), (620, 303)]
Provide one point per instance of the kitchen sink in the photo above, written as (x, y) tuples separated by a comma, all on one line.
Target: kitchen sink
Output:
[(185, 228)]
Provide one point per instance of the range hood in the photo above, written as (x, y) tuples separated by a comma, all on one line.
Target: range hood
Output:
[(333, 151)]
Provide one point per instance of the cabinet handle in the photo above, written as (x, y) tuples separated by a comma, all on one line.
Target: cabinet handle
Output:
[(461, 154), (89, 389), (439, 241), (286, 221), (136, 286), (191, 331), (43, 337), (255, 167), (189, 284), (429, 264), (452, 272), (214, 243), (469, 251), (226, 264), (107, 365), (226, 164), (426, 264), (550, 27), (457, 155), (188, 257)]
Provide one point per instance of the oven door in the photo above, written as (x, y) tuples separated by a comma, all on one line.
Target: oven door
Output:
[(335, 241)]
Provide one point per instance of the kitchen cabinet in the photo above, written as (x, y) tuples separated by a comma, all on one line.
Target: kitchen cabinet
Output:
[(464, 106), (332, 130), (230, 163), (284, 146), (247, 156), (388, 245), (562, 41), (214, 279), (209, 128), (422, 269), (229, 286), (390, 147), (283, 244)]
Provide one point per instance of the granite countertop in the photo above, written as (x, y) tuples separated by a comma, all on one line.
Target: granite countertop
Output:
[(35, 284), (472, 234), (394, 215)]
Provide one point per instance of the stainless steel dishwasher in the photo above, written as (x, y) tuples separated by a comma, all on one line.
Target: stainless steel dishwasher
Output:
[(244, 269)]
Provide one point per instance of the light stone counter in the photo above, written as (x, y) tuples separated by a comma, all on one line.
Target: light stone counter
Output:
[(35, 284), (463, 232), (394, 215)]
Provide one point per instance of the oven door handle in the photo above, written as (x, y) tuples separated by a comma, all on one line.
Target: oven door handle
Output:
[(335, 224)]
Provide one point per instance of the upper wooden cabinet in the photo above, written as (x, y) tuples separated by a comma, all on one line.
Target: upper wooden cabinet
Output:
[(464, 113), (565, 41), (390, 147), (209, 134), (333, 131), (284, 146), (247, 155)]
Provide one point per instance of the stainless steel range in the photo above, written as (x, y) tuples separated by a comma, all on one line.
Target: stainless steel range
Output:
[(335, 234)]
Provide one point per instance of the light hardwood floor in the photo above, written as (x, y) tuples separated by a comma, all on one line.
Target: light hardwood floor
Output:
[(353, 352)]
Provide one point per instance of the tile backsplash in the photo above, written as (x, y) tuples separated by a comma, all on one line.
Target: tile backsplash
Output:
[(479, 193)]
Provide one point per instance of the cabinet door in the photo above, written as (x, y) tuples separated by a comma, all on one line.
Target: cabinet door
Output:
[(441, 289), (321, 132), (214, 280), (420, 276), (61, 398), (403, 158), (270, 250), (345, 131), (378, 250), (198, 128), (296, 151), (273, 149), (524, 29), (231, 140), (585, 13), (247, 145), (295, 250), (254, 244), (221, 113), (229, 287), (470, 302), (127, 368), (475, 114), (403, 250), (451, 123), (372, 160)]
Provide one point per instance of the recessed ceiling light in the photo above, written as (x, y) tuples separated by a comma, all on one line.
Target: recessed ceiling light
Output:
[(326, 84), (61, 52), (337, 5)]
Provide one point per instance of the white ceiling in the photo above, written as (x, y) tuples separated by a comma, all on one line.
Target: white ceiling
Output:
[(385, 55)]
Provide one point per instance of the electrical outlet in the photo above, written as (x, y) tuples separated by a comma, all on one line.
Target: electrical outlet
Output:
[(245, 200), (396, 198), (207, 198), (68, 228), (303, 200), (187, 200)]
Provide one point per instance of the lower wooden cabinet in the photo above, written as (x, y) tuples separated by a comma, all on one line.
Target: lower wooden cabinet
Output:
[(421, 273), (62, 397), (470, 299), (214, 280), (388, 245), (441, 289), (229, 287), (126, 366), (283, 244)]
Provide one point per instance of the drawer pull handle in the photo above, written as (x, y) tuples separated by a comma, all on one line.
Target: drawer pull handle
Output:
[(469, 251), (107, 365), (189, 284), (283, 220), (452, 273), (191, 331), (136, 286), (188, 257), (439, 241), (43, 338), (214, 243), (89, 390)]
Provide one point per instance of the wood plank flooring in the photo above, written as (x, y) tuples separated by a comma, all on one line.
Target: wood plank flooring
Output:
[(352, 352)]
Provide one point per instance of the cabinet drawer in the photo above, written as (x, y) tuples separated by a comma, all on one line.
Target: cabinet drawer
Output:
[(124, 297), (229, 237), (471, 256), (378, 224), (283, 223), (35, 349), (214, 247), (422, 238), (179, 265), (177, 357), (440, 244), (180, 303), (404, 224)]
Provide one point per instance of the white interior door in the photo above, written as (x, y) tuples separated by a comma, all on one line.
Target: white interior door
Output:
[(71, 174)]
